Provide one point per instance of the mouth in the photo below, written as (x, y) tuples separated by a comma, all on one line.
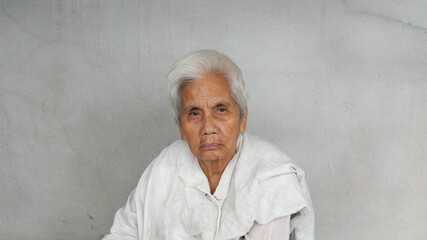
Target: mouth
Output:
[(210, 146)]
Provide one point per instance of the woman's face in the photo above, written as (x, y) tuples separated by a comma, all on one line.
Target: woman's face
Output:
[(210, 119)]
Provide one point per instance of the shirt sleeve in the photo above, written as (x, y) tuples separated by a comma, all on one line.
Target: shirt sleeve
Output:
[(128, 221), (287, 195), (125, 222), (282, 229), (277, 229)]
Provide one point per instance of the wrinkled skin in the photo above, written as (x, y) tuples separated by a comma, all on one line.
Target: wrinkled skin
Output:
[(211, 123)]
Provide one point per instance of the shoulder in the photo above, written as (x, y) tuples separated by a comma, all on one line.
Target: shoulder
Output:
[(158, 178), (165, 165), (267, 184), (264, 159), (278, 184), (269, 165), (169, 156)]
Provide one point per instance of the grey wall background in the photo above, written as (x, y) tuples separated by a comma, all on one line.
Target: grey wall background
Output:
[(339, 85)]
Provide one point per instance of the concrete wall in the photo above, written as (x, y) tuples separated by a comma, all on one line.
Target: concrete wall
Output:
[(339, 85)]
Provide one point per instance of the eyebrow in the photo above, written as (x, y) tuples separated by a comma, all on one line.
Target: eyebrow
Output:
[(190, 108), (194, 108), (222, 104), (219, 104)]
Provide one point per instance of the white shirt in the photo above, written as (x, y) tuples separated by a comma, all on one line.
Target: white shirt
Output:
[(261, 195)]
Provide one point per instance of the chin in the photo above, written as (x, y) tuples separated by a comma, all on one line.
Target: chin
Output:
[(212, 156), (209, 158)]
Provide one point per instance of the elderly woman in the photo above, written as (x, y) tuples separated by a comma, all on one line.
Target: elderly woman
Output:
[(217, 182)]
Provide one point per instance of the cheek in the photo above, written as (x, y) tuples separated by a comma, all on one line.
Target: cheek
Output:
[(231, 131), (232, 127), (193, 139)]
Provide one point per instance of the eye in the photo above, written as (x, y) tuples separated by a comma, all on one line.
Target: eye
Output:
[(194, 114), (222, 109)]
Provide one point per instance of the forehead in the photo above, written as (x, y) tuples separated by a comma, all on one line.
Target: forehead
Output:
[(209, 89)]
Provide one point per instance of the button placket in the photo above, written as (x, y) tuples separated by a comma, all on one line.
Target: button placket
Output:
[(218, 220)]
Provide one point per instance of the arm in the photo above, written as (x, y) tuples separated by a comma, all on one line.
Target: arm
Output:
[(128, 221), (282, 229), (125, 222), (290, 200), (277, 229)]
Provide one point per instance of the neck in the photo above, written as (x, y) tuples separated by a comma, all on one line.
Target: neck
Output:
[(213, 170)]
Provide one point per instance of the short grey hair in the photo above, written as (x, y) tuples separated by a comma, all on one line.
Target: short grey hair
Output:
[(194, 66)]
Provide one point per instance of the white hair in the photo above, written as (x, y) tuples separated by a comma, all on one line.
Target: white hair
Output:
[(194, 66)]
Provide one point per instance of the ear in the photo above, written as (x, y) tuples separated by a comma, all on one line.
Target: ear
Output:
[(244, 121), (181, 131)]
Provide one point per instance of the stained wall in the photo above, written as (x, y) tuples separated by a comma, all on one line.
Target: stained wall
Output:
[(340, 86)]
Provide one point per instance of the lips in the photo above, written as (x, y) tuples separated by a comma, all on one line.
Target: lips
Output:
[(210, 146)]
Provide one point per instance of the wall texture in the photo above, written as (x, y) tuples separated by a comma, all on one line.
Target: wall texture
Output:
[(341, 86)]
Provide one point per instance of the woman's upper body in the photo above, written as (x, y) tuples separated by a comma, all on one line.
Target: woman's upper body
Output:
[(217, 183), (261, 193)]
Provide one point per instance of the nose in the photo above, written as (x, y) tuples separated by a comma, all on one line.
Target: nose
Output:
[(209, 125)]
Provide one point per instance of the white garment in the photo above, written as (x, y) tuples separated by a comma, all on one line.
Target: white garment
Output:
[(261, 195), (277, 229)]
